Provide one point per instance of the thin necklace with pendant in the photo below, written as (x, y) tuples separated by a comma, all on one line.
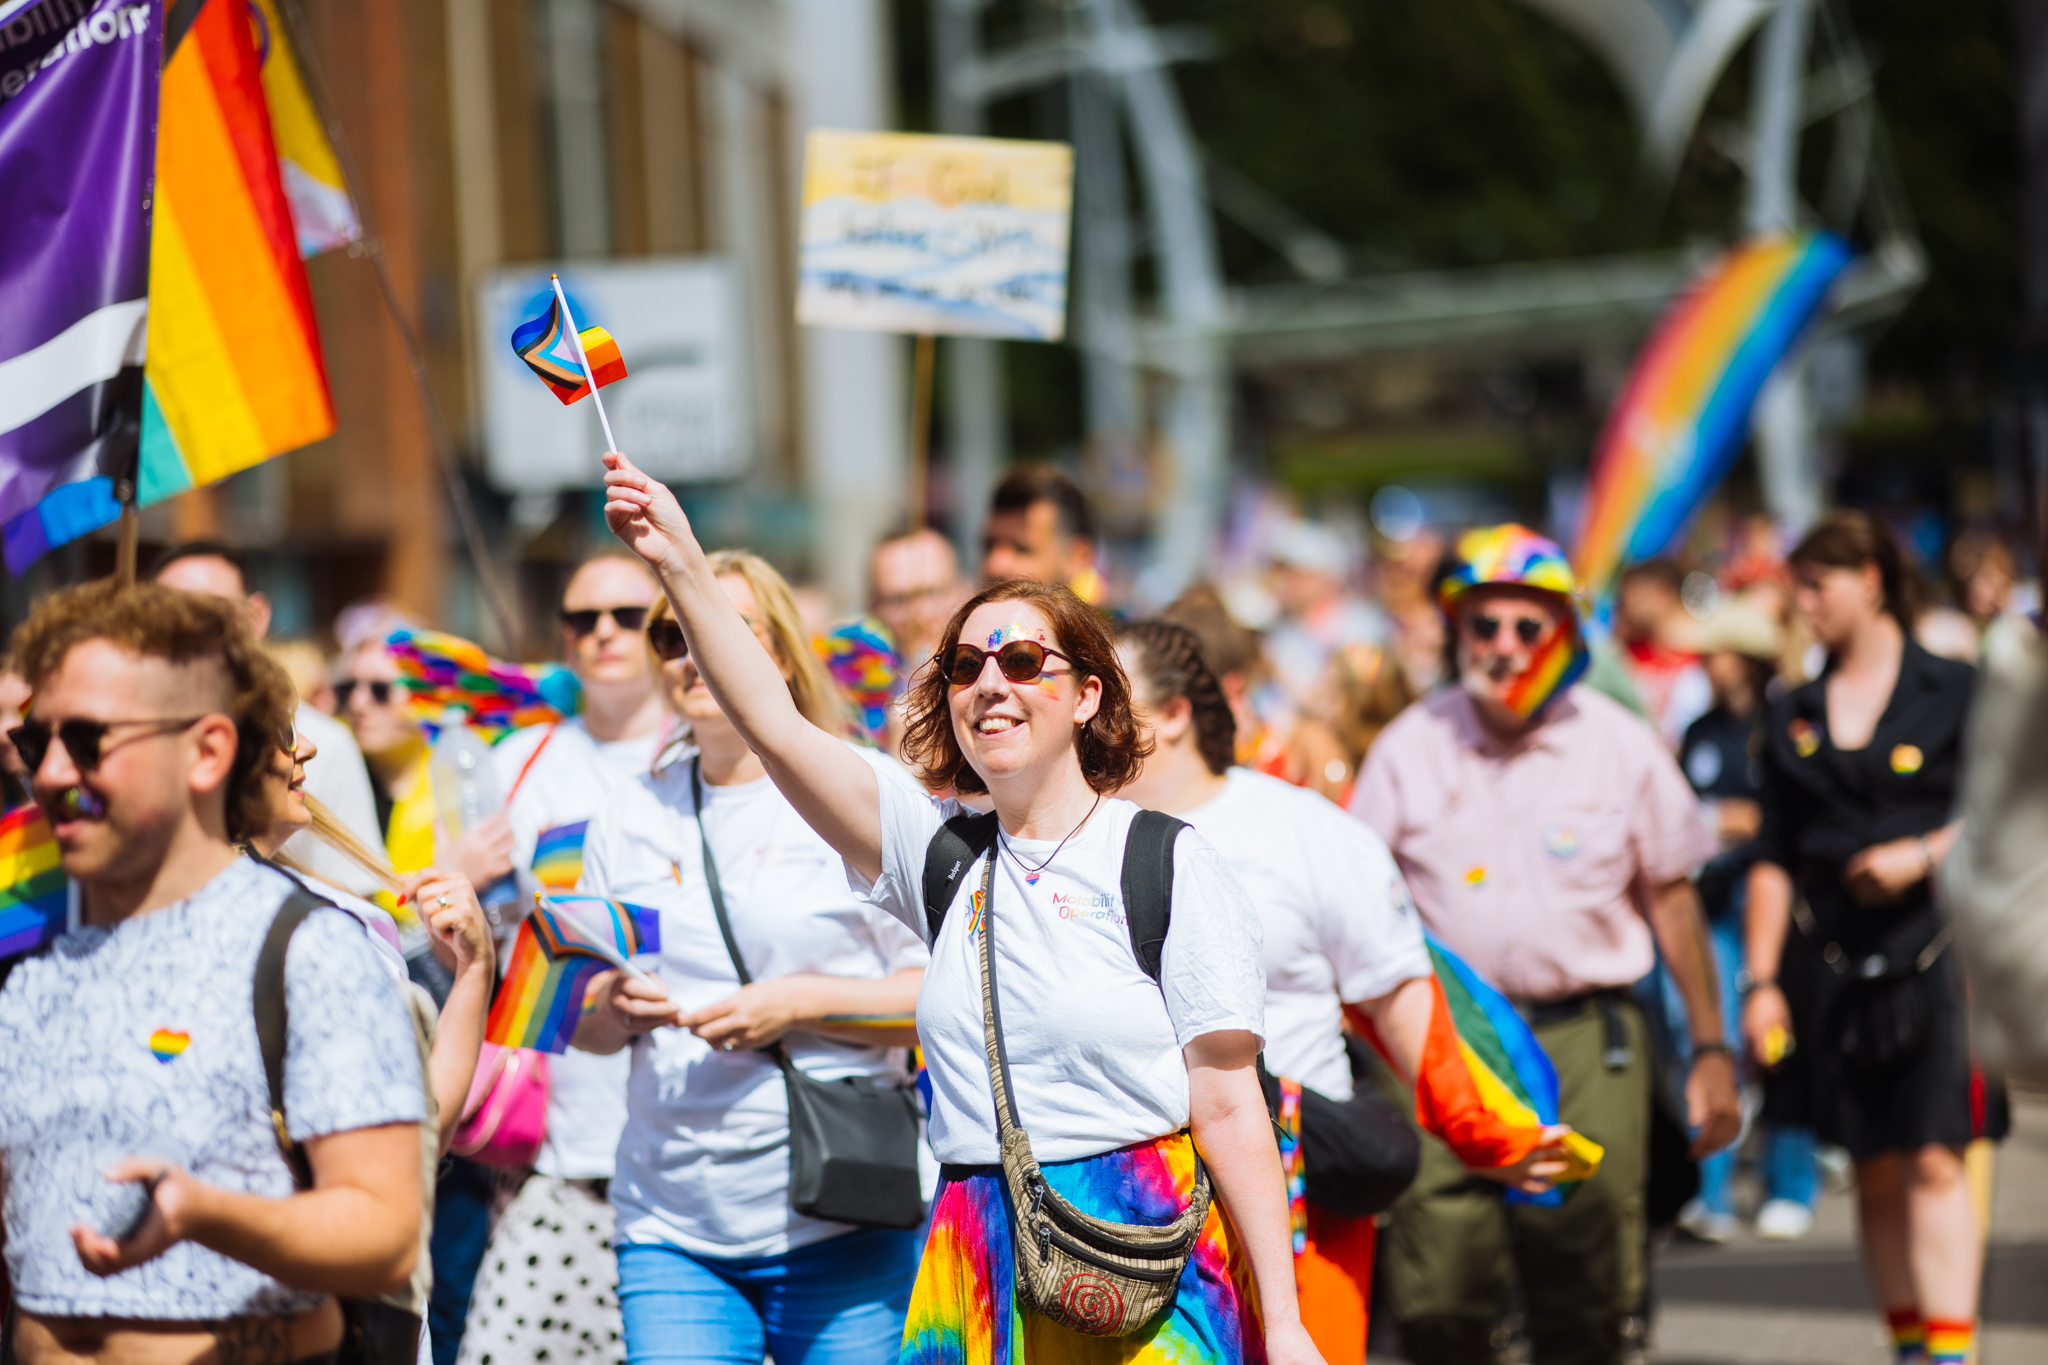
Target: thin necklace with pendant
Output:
[(1030, 872)]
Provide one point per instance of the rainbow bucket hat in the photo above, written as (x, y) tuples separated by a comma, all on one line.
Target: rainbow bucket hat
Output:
[(1511, 554)]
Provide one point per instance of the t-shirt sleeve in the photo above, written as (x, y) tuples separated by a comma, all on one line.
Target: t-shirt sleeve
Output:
[(909, 819), (1213, 967), (351, 1060), (1777, 836), (1666, 826), (1368, 927)]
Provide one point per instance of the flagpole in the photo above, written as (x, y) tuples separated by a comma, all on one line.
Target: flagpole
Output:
[(569, 320)]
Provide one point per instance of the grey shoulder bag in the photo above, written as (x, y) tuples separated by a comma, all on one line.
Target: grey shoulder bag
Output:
[(1086, 1273), (853, 1141)]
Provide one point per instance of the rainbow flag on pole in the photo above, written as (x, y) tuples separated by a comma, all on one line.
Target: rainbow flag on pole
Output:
[(34, 894), (561, 946), (1681, 417), (235, 373), (544, 344)]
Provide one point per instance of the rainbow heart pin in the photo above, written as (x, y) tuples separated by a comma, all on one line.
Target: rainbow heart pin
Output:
[(166, 1044)]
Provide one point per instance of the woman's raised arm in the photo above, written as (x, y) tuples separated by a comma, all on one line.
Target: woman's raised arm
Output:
[(831, 786)]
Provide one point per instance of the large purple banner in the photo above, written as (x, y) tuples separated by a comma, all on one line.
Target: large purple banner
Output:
[(78, 108)]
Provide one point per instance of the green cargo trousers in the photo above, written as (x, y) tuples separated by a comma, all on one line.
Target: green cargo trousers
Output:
[(1453, 1247)]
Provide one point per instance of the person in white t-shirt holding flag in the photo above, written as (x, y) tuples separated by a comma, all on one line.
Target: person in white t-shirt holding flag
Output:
[(1133, 1077), (555, 777), (1341, 936), (716, 1262)]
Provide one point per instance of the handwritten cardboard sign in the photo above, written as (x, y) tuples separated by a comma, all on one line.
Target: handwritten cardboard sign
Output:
[(904, 232)]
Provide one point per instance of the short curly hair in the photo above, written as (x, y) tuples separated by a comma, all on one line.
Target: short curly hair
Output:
[(183, 628), (1110, 745)]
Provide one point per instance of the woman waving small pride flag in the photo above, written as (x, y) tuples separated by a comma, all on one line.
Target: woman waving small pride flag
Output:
[(569, 362)]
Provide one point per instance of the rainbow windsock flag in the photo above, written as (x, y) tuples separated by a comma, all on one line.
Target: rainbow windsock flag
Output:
[(34, 894), (1680, 420), (1486, 1086), (545, 345), (441, 670), (863, 662), (565, 943), (235, 373)]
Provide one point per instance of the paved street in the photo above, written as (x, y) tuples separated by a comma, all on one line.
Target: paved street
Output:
[(1805, 1303)]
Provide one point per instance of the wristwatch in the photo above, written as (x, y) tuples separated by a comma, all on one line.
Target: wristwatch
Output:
[(1719, 1045), (1745, 983)]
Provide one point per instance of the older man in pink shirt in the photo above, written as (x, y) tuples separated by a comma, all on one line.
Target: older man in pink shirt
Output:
[(1548, 838)]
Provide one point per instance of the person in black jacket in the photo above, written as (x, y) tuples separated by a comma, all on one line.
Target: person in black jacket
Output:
[(1846, 947)]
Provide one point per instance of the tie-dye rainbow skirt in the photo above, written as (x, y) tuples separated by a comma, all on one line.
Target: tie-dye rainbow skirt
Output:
[(964, 1310)]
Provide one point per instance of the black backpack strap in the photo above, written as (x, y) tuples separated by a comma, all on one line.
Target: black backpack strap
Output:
[(273, 1020), (1148, 885), (951, 852)]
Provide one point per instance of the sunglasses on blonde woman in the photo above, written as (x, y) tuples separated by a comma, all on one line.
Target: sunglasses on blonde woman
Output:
[(665, 638), (1019, 660)]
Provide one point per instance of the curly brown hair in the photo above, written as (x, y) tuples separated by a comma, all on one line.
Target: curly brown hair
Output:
[(1110, 746), (184, 628), (1174, 664)]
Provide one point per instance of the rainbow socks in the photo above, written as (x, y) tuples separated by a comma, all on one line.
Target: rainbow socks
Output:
[(1909, 1336), (1948, 1343)]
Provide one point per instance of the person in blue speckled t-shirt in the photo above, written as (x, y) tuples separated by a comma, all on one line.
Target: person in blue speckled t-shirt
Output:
[(150, 1216)]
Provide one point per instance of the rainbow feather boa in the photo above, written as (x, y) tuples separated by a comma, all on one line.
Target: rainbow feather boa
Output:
[(964, 1309)]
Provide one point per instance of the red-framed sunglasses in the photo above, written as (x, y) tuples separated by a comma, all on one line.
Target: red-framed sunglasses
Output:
[(1020, 661)]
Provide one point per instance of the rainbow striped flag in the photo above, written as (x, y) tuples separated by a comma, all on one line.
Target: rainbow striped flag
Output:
[(323, 215), (440, 671), (565, 943), (544, 344), (558, 856), (1681, 418), (34, 894), (234, 372)]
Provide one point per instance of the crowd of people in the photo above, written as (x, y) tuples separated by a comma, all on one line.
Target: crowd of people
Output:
[(1087, 1006)]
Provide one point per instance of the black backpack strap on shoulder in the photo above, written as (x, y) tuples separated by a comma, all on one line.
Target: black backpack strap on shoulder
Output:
[(951, 852), (1148, 885), (273, 1019)]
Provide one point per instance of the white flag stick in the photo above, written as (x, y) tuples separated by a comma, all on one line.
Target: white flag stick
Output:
[(569, 319)]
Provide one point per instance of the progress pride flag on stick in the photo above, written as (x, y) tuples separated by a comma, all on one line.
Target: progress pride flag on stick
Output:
[(78, 109)]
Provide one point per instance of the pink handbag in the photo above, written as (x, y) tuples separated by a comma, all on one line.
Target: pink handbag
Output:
[(506, 1115)]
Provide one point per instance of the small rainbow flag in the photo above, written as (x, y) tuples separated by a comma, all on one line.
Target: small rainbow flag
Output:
[(544, 344), (34, 894), (565, 943), (863, 662), (558, 856), (1487, 1088), (1679, 421), (441, 671)]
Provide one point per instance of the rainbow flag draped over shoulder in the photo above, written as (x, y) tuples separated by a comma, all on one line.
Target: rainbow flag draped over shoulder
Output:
[(235, 373), (1680, 420), (1486, 1086), (34, 894), (441, 670), (560, 948), (544, 344)]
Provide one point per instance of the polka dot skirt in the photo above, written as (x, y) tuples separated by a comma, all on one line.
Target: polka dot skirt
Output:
[(548, 1293)]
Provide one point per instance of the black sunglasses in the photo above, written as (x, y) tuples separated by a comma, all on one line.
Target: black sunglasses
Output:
[(84, 740), (380, 692), (665, 638), (581, 623), (1487, 627), (1019, 660)]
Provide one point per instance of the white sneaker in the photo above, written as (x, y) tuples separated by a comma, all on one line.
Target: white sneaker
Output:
[(1703, 1224), (1783, 1220)]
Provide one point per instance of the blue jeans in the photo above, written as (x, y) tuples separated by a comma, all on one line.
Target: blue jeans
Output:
[(1789, 1170), (836, 1302), (462, 1229)]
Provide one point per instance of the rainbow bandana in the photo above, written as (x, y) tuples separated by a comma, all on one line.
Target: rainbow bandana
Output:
[(1512, 554), (964, 1309)]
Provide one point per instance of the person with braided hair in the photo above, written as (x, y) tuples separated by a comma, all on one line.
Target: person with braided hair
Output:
[(1341, 937)]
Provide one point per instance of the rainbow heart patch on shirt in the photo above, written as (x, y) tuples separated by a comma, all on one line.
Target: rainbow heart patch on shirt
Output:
[(166, 1044), (1805, 739)]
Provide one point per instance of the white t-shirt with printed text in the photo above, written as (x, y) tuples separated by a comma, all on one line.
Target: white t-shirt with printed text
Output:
[(1094, 1043), (1338, 922), (703, 1163), (573, 775)]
